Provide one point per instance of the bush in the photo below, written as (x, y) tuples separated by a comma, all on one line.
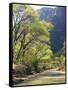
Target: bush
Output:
[(22, 70)]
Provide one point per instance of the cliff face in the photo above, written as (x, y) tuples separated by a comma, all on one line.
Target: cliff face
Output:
[(57, 17)]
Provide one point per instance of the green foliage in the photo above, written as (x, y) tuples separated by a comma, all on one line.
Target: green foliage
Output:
[(62, 59), (31, 41), (30, 12)]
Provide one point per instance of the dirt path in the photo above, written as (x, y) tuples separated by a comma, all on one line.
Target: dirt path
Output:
[(46, 77)]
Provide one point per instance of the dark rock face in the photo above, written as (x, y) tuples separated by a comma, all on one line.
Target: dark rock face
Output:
[(57, 17)]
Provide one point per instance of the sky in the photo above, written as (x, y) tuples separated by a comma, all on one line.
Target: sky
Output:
[(39, 7)]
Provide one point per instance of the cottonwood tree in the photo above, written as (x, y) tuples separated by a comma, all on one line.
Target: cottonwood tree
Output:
[(31, 36)]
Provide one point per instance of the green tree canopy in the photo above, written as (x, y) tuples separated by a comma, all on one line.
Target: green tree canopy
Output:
[(31, 36)]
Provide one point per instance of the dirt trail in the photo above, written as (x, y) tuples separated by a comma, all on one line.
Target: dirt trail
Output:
[(46, 77)]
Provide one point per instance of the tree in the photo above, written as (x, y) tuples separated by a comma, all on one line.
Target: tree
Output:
[(31, 36)]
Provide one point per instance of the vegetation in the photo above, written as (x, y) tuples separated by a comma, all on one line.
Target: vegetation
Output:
[(31, 43)]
